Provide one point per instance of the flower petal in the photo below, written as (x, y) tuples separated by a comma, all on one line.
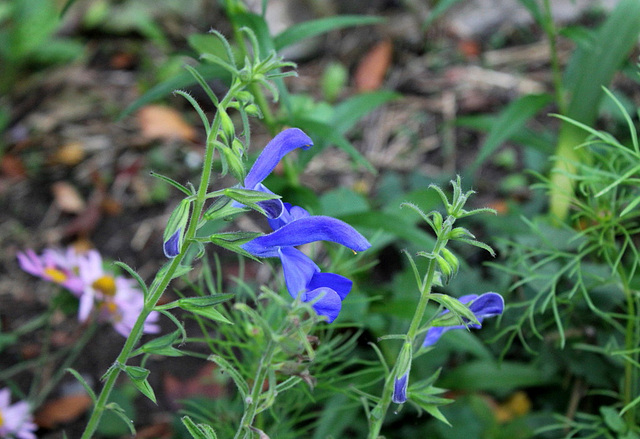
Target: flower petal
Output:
[(326, 302), (289, 214), (487, 305), (306, 230), (278, 147), (172, 245), (400, 389), (298, 270), (337, 283)]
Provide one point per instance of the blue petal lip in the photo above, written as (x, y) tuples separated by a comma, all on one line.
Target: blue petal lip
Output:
[(325, 302), (400, 389), (278, 147), (340, 284), (306, 230), (171, 247)]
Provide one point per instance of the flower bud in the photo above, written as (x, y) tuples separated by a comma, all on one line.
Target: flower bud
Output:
[(445, 269), (227, 125), (174, 232), (232, 163), (437, 221)]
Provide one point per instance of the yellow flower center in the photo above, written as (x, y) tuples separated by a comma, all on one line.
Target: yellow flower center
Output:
[(1, 419), (106, 285), (55, 275)]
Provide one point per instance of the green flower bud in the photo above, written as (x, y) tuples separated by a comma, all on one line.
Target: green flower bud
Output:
[(445, 269), (437, 221), (232, 163), (227, 125), (451, 259)]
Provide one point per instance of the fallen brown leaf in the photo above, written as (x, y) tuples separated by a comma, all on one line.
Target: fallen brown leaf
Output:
[(12, 166), (373, 67), (67, 197), (160, 122), (69, 154), (62, 410)]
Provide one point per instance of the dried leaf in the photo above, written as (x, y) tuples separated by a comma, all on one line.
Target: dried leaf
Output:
[(12, 166), (160, 122), (373, 67), (62, 410), (67, 197), (69, 154)]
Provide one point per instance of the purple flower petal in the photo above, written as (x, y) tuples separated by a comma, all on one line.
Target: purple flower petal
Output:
[(306, 230), (400, 389), (278, 147), (326, 302)]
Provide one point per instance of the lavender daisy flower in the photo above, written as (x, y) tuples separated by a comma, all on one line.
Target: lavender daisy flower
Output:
[(57, 266), (16, 420), (303, 278), (116, 298), (482, 306)]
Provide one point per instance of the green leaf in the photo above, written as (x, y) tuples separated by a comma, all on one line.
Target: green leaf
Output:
[(438, 10), (162, 345), (138, 376), (347, 113), (328, 132), (312, 28), (500, 377), (457, 309), (510, 121), (172, 182), (234, 240), (183, 80), (240, 383), (84, 383), (135, 275), (198, 431)]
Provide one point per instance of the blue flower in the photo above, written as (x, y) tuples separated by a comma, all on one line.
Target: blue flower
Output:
[(482, 306), (303, 278), (276, 149), (400, 389)]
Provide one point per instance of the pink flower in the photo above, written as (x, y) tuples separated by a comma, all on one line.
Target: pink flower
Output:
[(116, 299), (57, 266), (15, 420)]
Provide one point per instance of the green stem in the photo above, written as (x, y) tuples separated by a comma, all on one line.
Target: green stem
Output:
[(251, 407), (630, 339), (158, 288), (378, 414)]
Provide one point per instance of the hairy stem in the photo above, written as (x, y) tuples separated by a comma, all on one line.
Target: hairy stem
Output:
[(159, 287)]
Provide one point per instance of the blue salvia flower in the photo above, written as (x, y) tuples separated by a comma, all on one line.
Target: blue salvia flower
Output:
[(482, 306), (302, 276), (276, 149)]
